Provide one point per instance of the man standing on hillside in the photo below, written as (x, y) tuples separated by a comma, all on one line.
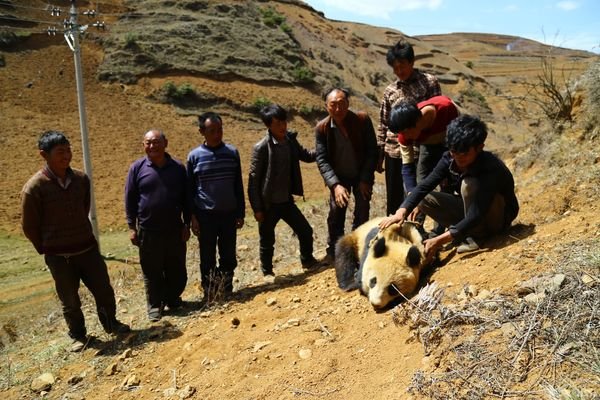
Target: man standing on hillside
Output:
[(274, 179), (158, 216), (55, 208), (346, 156), (414, 86), (217, 194)]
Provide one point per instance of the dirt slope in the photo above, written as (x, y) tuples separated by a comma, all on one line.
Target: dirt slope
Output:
[(298, 336)]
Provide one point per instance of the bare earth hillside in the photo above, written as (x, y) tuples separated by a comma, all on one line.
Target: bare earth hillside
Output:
[(297, 336)]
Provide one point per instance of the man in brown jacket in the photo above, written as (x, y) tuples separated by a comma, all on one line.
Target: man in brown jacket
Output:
[(55, 207), (346, 156)]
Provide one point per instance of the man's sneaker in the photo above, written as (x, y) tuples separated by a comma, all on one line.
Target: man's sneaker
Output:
[(117, 327), (267, 271), (329, 259), (79, 344), (467, 246), (312, 263), (176, 304), (154, 314)]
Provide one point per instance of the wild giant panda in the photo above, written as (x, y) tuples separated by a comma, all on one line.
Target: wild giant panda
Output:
[(381, 264)]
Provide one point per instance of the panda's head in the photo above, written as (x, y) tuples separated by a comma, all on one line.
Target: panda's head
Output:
[(392, 267)]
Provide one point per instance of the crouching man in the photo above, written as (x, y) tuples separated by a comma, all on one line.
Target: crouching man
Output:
[(483, 201), (55, 207)]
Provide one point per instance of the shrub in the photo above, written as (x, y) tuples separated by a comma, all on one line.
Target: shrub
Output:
[(261, 102), (302, 74), (469, 64), (171, 93), (271, 17)]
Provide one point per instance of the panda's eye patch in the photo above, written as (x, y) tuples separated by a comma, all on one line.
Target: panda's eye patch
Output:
[(372, 282), (392, 291)]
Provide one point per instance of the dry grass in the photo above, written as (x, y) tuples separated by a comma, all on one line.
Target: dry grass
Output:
[(503, 346)]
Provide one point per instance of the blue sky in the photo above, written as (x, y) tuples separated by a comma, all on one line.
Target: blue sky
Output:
[(567, 23)]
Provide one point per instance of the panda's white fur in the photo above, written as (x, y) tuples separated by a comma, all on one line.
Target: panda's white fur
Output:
[(382, 264)]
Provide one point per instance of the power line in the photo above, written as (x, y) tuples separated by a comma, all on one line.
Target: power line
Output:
[(2, 3), (35, 21)]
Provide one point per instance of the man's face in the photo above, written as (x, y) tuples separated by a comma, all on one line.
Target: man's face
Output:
[(212, 132), (463, 160), (154, 145), (278, 128), (337, 105), (403, 69), (59, 158)]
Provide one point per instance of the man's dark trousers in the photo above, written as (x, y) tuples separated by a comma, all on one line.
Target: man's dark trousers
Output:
[(162, 257), (292, 216), (89, 268)]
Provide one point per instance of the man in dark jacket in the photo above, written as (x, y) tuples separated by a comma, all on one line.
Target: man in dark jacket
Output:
[(346, 157), (483, 201), (273, 180)]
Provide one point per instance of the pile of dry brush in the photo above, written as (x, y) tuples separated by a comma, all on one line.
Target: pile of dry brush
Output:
[(543, 345)]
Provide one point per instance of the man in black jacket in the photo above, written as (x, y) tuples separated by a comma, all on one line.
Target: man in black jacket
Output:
[(346, 157), (274, 178), (483, 201)]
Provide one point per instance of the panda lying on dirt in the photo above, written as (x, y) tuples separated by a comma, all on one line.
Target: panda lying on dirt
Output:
[(381, 264)]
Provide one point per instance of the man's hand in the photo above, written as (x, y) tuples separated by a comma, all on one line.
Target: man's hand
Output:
[(195, 226), (185, 233), (259, 216), (366, 190), (433, 245), (133, 237), (397, 218), (341, 195), (239, 222), (379, 167), (414, 214)]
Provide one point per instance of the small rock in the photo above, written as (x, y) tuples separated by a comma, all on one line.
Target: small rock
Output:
[(260, 345), (242, 247), (588, 280), (534, 298), (296, 299), (74, 380), (321, 342), (187, 346), (235, 322), (186, 392), (130, 381), (293, 322), (271, 301), (111, 369), (168, 392), (205, 314), (508, 330), (126, 354), (305, 354), (381, 324), (483, 295), (43, 382), (557, 281)]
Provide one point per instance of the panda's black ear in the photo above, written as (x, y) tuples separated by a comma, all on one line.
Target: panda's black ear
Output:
[(379, 248), (413, 258)]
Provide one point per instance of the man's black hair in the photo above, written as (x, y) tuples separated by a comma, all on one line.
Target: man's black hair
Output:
[(400, 51), (464, 132), (267, 113), (345, 91), (403, 116), (49, 139), (209, 115)]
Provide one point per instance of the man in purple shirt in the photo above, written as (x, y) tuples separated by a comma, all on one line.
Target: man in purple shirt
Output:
[(158, 217)]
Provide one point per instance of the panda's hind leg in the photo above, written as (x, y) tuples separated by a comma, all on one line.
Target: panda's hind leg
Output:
[(346, 263)]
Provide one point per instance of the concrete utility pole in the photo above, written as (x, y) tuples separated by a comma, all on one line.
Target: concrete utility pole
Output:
[(72, 32)]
